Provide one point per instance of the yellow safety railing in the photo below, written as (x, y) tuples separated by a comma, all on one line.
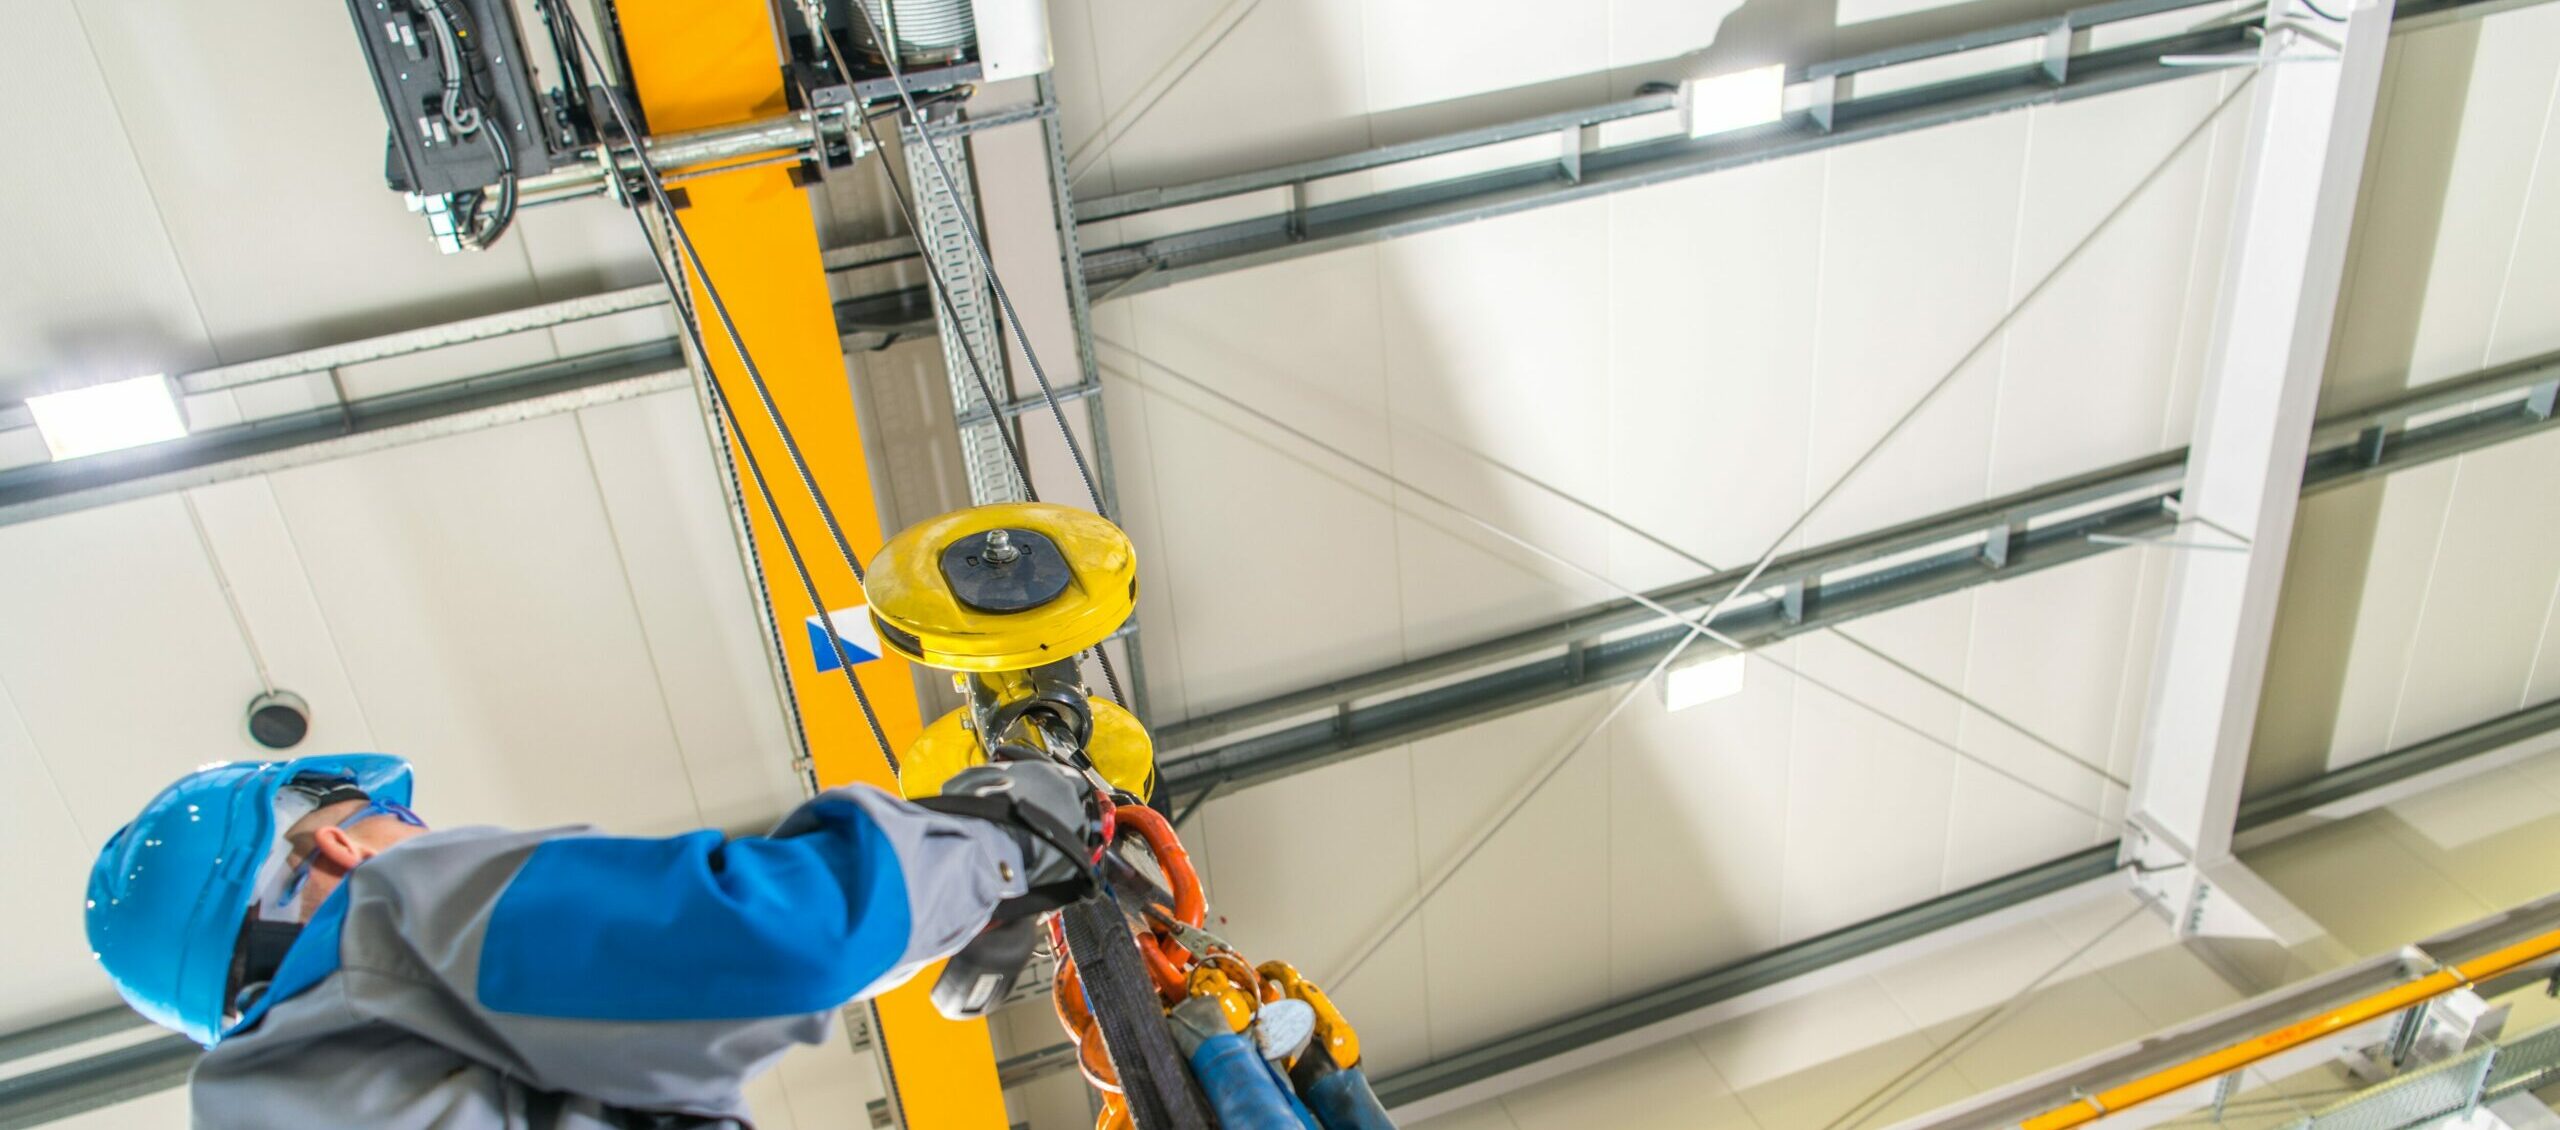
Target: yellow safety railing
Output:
[(2237, 1056)]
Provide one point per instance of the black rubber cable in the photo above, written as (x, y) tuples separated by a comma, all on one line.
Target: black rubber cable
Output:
[(693, 332)]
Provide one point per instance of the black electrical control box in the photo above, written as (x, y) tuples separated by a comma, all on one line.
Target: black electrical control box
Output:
[(458, 91)]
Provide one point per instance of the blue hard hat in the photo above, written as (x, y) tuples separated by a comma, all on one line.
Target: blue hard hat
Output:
[(170, 891)]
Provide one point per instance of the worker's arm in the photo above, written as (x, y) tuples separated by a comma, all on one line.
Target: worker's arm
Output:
[(850, 895), (661, 973)]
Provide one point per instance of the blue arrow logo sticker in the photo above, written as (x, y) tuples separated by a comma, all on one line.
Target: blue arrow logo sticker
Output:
[(852, 628)]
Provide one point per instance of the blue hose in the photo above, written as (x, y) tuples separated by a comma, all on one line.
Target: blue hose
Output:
[(1241, 1089), (1343, 1101)]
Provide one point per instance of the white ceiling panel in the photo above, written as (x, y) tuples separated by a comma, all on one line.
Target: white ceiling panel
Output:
[(1534, 396), (2460, 138), (2490, 583), (287, 140), (1285, 83), (1310, 538), (45, 973), (1868, 806), (99, 293), (1919, 232), (2082, 373), (1711, 283), (688, 589), (479, 601), (1422, 52), (1697, 824), (262, 568), (1668, 1085), (1509, 938), (1301, 340), (2423, 610), (142, 675)]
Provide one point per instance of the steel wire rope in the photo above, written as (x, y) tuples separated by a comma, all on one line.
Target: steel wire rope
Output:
[(912, 216), (691, 324), (1699, 627)]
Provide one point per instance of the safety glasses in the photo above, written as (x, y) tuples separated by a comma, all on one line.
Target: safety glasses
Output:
[(290, 890)]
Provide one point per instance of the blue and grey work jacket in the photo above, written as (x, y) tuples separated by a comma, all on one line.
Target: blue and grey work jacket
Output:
[(477, 977)]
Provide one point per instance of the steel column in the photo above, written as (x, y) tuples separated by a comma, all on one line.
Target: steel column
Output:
[(2304, 161)]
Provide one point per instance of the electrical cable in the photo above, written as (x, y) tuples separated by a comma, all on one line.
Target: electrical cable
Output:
[(693, 333), (978, 366), (1698, 628), (2323, 13)]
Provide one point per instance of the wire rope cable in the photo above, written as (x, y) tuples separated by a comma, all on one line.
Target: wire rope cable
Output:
[(692, 326)]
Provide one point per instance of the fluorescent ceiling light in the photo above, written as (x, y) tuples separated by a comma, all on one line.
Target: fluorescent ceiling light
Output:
[(107, 417), (1696, 684), (1740, 100)]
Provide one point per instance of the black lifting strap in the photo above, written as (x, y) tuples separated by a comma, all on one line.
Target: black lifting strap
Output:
[(1153, 1077)]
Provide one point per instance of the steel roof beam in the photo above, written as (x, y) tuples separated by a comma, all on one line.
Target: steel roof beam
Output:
[(1633, 1022)]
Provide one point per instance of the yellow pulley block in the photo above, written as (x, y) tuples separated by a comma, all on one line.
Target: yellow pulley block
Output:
[(1120, 750), (1002, 587)]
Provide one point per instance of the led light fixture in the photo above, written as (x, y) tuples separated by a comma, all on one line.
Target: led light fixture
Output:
[(1740, 100), (1696, 684), (107, 417)]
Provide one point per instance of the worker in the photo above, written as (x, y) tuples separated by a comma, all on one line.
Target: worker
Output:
[(347, 966)]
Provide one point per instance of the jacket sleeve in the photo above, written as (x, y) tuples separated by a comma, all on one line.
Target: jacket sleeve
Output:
[(655, 972)]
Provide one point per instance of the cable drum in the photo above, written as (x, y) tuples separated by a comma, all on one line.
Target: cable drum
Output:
[(926, 30)]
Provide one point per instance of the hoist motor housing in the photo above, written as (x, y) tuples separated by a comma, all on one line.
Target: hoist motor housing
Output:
[(1004, 587)]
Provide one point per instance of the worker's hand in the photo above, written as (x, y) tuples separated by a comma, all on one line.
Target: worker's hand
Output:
[(1052, 813)]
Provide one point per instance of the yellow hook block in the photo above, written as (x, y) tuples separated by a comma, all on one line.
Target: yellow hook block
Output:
[(1004, 587)]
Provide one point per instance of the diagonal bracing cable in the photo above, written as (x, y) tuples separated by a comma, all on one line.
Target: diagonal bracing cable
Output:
[(692, 326), (1547, 772), (1667, 613)]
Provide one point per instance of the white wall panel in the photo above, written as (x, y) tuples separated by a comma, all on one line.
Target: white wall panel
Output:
[(477, 595), (95, 290), (1711, 285), (688, 590)]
